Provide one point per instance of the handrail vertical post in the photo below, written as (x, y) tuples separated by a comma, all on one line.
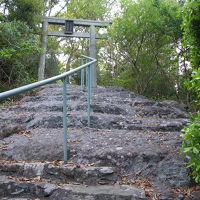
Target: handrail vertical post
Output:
[(65, 118), (91, 81), (87, 75), (82, 74), (89, 93)]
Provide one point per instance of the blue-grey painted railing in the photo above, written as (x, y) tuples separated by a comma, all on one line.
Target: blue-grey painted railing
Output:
[(86, 79)]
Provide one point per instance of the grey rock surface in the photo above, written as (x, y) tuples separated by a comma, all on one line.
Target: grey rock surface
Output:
[(131, 140), (74, 173), (66, 191), (175, 104)]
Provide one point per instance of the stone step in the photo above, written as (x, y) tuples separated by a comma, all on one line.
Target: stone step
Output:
[(71, 95), (7, 198), (137, 138), (154, 155), (83, 174), (136, 108), (42, 190), (51, 120), (104, 121)]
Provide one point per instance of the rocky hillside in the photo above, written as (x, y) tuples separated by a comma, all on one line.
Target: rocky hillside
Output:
[(130, 152)]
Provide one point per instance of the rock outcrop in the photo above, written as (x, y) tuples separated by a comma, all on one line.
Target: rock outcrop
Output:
[(131, 151)]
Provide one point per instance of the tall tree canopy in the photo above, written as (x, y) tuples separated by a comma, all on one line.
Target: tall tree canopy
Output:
[(143, 46), (140, 53), (85, 9), (19, 47), (27, 11), (20, 30)]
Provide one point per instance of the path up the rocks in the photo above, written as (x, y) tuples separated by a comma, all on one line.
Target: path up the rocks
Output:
[(130, 152)]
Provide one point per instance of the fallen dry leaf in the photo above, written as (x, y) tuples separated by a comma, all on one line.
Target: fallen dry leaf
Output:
[(73, 141), (143, 183), (186, 191), (30, 180), (4, 147)]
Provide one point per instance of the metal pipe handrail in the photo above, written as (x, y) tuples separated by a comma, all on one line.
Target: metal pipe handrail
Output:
[(62, 77)]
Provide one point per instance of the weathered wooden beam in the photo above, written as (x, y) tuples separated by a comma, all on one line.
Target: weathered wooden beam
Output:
[(75, 34), (77, 22)]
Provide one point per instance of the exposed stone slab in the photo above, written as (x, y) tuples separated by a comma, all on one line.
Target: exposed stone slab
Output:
[(175, 104), (12, 188), (131, 135), (52, 120), (120, 149), (8, 129), (67, 173)]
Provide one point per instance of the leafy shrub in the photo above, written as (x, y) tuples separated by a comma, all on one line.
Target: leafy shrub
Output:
[(191, 143), (18, 55), (191, 146)]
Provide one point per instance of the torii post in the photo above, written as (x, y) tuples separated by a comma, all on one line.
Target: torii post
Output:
[(69, 32)]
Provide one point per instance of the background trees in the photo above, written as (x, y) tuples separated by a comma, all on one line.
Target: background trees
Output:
[(86, 9), (26, 11), (19, 47), (143, 51), (20, 41), (20, 32), (143, 46)]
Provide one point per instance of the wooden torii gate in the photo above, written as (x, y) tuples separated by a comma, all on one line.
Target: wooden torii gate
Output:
[(69, 32)]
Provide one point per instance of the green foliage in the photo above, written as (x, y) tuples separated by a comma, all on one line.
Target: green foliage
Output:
[(27, 11), (19, 44), (191, 143), (143, 48), (52, 62), (191, 146), (194, 83), (7, 102), (191, 27), (74, 47), (18, 51), (87, 9)]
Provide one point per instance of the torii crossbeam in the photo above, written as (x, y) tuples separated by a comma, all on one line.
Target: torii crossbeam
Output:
[(69, 32)]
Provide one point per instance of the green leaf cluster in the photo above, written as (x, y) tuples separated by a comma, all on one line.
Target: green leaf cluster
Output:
[(144, 38), (86, 9), (191, 146), (27, 11), (194, 83), (18, 53), (19, 42), (191, 28)]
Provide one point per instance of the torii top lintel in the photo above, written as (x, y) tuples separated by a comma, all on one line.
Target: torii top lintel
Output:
[(76, 22)]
